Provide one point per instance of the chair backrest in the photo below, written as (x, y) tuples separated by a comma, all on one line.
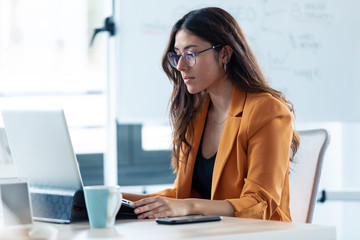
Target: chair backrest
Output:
[(305, 170)]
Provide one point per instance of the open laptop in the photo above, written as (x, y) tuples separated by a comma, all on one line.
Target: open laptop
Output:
[(42, 151)]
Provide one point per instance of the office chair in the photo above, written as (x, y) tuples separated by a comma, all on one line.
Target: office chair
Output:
[(305, 170)]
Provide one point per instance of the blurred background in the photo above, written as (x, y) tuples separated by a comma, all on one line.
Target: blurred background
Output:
[(115, 95)]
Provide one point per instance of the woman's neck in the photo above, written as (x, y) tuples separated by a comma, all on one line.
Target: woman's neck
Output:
[(221, 98)]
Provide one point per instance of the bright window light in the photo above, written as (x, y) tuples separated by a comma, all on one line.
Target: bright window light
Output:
[(46, 62)]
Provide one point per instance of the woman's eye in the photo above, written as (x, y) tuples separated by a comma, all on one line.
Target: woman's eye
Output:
[(189, 56)]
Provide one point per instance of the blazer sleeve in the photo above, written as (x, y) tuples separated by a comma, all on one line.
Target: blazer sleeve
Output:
[(268, 136)]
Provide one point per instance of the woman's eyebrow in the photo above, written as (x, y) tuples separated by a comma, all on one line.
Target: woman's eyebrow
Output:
[(187, 47)]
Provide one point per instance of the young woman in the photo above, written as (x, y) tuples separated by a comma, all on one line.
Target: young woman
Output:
[(232, 133)]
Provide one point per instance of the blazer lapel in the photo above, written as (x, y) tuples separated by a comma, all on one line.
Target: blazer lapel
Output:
[(229, 135)]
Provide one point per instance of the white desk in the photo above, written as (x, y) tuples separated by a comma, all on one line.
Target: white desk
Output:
[(228, 228)]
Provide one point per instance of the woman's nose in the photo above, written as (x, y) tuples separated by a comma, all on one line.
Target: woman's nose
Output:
[(181, 64)]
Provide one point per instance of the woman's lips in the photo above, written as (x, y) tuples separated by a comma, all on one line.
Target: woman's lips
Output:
[(187, 79)]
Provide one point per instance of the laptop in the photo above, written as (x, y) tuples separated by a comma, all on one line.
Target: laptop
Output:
[(42, 151)]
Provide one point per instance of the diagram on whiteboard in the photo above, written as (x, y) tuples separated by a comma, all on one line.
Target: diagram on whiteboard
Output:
[(303, 47)]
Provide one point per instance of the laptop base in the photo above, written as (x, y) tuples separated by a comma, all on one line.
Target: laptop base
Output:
[(56, 205), (66, 206)]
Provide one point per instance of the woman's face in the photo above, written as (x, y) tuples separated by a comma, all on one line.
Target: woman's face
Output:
[(208, 71)]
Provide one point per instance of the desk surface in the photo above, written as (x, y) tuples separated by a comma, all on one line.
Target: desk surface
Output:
[(228, 228)]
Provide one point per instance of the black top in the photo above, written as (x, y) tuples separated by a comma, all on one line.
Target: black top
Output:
[(202, 175)]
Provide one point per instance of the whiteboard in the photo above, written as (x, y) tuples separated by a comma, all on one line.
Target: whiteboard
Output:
[(310, 50)]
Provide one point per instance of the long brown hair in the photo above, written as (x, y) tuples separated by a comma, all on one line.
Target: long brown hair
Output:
[(217, 27)]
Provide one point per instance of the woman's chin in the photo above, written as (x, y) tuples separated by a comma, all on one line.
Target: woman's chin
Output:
[(193, 90)]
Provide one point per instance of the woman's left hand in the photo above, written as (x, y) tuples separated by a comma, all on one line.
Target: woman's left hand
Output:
[(156, 207)]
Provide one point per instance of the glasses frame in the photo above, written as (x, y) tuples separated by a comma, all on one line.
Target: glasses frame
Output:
[(194, 54)]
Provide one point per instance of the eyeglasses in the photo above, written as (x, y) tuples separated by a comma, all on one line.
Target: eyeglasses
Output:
[(188, 56)]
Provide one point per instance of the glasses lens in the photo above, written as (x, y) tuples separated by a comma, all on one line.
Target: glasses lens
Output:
[(189, 58), (173, 59)]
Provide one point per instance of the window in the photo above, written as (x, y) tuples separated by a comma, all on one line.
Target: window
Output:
[(46, 62)]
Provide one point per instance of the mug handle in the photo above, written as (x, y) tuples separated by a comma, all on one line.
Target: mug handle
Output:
[(118, 204)]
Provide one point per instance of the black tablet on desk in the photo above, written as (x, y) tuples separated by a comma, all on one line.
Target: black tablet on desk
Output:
[(188, 219), (126, 210)]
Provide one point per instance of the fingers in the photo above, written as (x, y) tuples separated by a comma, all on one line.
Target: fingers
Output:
[(147, 207), (152, 207), (156, 213), (144, 201)]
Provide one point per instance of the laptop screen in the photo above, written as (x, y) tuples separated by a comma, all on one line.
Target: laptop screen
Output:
[(41, 148)]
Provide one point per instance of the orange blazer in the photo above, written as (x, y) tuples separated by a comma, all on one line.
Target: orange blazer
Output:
[(251, 168)]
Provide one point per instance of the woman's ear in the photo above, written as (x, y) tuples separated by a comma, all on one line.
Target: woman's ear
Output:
[(225, 54)]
